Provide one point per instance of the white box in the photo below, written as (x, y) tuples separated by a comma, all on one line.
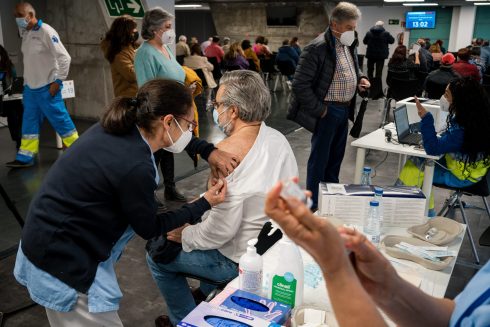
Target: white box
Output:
[(402, 206)]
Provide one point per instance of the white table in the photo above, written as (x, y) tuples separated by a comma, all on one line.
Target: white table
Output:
[(430, 281), (376, 141)]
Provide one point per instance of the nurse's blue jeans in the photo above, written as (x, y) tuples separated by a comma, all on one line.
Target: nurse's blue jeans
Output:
[(209, 264)]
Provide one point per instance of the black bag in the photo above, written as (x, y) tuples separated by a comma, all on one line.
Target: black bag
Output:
[(162, 250)]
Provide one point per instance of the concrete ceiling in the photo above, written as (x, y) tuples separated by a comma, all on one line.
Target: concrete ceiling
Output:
[(358, 2)]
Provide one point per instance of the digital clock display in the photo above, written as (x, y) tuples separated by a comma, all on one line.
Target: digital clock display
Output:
[(421, 19)]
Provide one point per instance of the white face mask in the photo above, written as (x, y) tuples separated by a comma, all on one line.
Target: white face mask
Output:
[(179, 145), (347, 38), (168, 37), (444, 104)]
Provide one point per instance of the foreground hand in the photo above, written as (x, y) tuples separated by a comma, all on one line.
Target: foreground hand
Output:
[(176, 234), (420, 108), (316, 235), (374, 271), (54, 88), (364, 84), (217, 193), (222, 163)]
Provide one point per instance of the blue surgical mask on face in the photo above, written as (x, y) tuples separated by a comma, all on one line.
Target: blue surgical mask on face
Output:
[(22, 22), (216, 120)]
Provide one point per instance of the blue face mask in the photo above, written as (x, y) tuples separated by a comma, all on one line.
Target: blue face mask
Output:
[(22, 22), (216, 121)]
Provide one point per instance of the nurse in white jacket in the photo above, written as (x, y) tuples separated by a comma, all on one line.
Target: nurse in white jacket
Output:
[(212, 248)]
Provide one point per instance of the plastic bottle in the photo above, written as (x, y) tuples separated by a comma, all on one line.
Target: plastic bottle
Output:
[(372, 227), (366, 176), (287, 280), (250, 269), (378, 197)]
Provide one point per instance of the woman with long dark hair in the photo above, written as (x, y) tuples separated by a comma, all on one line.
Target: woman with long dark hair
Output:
[(399, 62), (96, 197), (119, 46), (465, 145)]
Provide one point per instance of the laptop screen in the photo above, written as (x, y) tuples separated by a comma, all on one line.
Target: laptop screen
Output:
[(401, 121)]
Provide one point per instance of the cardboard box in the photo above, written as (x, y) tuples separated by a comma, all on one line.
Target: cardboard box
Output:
[(402, 206), (252, 304), (207, 314)]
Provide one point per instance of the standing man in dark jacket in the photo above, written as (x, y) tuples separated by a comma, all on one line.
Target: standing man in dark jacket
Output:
[(324, 90), (377, 40)]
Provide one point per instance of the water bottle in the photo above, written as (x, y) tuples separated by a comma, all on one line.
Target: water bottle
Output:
[(378, 197), (366, 176), (372, 227)]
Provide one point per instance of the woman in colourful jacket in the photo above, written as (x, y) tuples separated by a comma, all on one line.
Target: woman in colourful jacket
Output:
[(465, 145)]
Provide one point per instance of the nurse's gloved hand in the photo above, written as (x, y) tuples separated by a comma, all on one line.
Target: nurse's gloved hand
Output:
[(217, 193)]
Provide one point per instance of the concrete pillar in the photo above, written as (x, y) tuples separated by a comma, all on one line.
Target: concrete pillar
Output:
[(462, 25)]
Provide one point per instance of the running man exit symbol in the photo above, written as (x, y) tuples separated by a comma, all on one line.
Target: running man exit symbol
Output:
[(116, 8)]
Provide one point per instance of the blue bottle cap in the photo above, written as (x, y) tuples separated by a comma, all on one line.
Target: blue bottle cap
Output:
[(378, 190), (374, 204), (367, 169)]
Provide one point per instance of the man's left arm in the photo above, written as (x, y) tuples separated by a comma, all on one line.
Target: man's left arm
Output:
[(62, 57)]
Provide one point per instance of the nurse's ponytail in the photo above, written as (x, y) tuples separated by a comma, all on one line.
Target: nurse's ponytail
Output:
[(155, 99)]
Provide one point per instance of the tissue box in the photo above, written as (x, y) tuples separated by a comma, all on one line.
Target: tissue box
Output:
[(207, 314), (403, 206), (252, 304)]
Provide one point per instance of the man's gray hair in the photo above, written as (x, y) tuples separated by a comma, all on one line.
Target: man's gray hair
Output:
[(246, 90), (183, 38), (153, 20), (345, 11)]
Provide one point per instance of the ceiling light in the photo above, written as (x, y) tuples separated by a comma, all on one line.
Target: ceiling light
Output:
[(482, 3), (188, 6), (431, 4), (403, 0)]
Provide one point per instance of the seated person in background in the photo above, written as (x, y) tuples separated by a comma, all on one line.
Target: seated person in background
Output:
[(440, 43), (212, 248), (437, 80), (226, 44), (235, 58), (197, 61), (251, 55), (476, 60), (436, 52), (260, 49), (463, 67), (362, 283), (426, 60), (287, 56), (400, 63), (214, 50), (294, 43), (465, 144), (182, 50)]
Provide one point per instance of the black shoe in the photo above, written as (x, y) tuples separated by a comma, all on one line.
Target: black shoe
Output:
[(19, 164), (163, 321), (161, 207), (172, 194)]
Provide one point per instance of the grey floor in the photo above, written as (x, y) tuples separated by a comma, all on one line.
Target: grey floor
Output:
[(142, 302)]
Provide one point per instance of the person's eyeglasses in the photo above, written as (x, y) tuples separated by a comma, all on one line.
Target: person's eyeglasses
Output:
[(192, 123), (216, 104)]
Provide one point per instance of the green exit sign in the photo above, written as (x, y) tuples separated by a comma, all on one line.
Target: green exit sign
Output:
[(393, 22), (116, 8)]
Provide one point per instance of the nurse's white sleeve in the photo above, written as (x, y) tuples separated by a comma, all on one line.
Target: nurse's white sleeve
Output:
[(59, 52), (221, 226)]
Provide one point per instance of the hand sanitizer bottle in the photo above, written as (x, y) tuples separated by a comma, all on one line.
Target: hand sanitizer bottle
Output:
[(250, 269), (288, 277)]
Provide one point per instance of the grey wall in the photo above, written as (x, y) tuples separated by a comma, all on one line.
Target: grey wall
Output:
[(239, 21), (10, 32)]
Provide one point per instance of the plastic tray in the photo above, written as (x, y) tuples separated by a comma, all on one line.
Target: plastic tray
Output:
[(389, 245), (447, 230)]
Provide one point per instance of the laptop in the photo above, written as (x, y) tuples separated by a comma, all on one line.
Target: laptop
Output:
[(405, 134)]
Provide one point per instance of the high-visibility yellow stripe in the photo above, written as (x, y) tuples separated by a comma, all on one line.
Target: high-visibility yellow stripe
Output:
[(411, 175), (30, 145), (68, 141)]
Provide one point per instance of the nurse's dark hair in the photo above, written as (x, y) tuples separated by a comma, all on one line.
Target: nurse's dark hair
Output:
[(155, 99)]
